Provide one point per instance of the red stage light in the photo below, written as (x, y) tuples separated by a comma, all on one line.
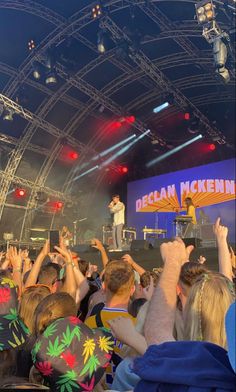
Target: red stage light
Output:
[(124, 169), (59, 205), (20, 192), (73, 155), (117, 124), (187, 116), (130, 119), (212, 147)]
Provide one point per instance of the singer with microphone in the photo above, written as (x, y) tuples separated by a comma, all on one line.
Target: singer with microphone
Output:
[(117, 208)]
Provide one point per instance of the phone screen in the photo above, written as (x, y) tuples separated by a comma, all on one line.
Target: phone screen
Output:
[(53, 240)]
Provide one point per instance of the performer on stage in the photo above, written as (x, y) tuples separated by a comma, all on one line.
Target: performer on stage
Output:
[(117, 208), (191, 210)]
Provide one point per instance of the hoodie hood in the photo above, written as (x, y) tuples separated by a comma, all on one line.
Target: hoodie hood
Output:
[(185, 367)]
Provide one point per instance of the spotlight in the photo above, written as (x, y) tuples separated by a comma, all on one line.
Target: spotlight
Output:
[(187, 116), (51, 77), (102, 41), (173, 151), (73, 155), (7, 114), (161, 107), (96, 11), (31, 45), (212, 147), (37, 70), (19, 193), (205, 11), (123, 169), (131, 119), (116, 125), (58, 205), (220, 57), (124, 149)]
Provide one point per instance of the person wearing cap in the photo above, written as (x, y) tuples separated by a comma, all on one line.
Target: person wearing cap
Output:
[(13, 332), (70, 356)]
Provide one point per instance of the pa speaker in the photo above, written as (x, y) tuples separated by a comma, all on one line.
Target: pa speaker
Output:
[(158, 241), (140, 245), (196, 242)]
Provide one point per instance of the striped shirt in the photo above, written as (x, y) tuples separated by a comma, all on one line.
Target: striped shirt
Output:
[(100, 319)]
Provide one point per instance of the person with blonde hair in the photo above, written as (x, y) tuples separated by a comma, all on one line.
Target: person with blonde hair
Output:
[(206, 307), (51, 308), (30, 299)]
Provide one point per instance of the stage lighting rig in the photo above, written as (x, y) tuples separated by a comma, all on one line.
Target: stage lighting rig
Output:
[(205, 11), (102, 41), (31, 45), (7, 114), (37, 70), (51, 76), (19, 193), (96, 11), (206, 15), (220, 57)]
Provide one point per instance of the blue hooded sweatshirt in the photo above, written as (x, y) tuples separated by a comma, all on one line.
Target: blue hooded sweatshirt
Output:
[(185, 367)]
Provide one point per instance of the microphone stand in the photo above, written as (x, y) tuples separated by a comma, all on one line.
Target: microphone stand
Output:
[(156, 214), (75, 230)]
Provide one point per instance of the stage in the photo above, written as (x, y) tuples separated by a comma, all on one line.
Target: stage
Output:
[(151, 258)]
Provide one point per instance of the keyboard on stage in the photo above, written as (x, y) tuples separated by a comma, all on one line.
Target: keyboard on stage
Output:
[(150, 231), (156, 231), (183, 218)]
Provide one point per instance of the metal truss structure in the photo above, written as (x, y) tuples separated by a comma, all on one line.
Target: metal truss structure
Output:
[(147, 72), (29, 184), (162, 81)]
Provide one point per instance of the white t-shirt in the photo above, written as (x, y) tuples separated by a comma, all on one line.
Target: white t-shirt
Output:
[(119, 213)]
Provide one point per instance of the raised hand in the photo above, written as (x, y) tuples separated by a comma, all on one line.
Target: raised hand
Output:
[(201, 259), (64, 252), (176, 251), (221, 232), (15, 257), (149, 290), (25, 254), (128, 259), (45, 249), (95, 243)]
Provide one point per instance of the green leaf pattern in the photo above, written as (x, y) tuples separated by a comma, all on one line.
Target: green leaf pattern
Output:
[(13, 317), (91, 365), (67, 381), (55, 349), (35, 350), (51, 329)]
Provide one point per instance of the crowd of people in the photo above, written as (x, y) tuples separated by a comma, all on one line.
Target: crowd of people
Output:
[(67, 327)]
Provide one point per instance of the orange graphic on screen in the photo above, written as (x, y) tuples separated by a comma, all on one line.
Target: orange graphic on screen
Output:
[(204, 192)]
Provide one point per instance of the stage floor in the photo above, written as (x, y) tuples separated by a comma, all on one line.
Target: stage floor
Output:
[(151, 258)]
